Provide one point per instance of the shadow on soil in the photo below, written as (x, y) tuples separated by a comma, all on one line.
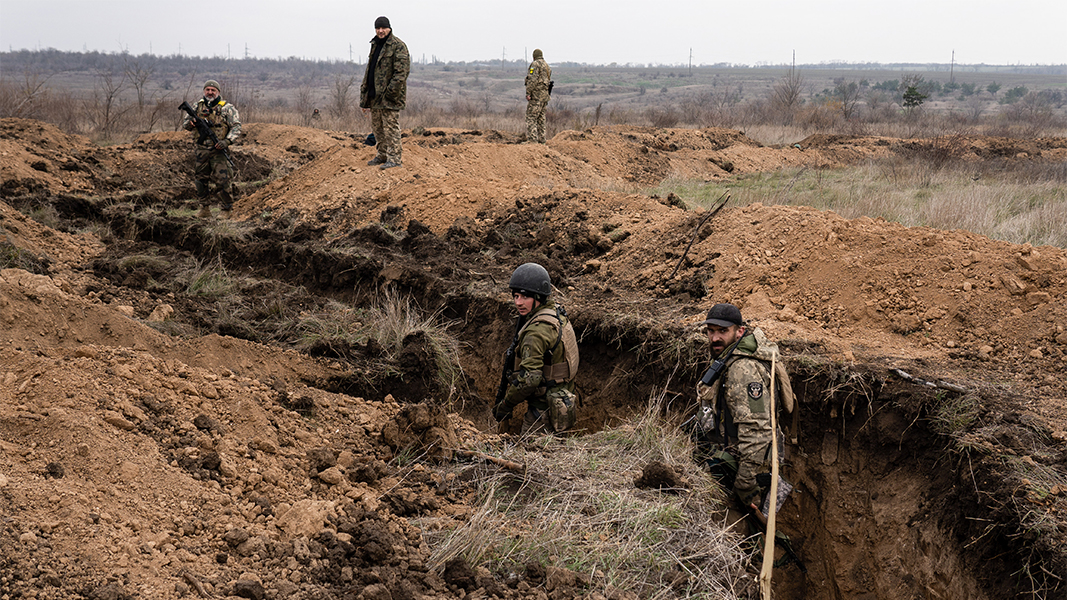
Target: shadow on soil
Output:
[(885, 505)]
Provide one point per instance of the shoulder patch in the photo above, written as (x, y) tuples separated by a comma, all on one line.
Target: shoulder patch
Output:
[(755, 390)]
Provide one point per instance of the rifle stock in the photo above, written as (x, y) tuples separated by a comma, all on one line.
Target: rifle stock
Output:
[(205, 130)]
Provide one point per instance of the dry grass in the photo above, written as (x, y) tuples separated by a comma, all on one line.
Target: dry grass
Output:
[(1014, 203), (577, 508), (340, 329)]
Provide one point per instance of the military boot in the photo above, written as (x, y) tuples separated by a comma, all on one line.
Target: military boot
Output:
[(227, 204)]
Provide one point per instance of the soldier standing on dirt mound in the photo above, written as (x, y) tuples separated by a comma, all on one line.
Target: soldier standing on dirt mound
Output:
[(212, 163), (384, 91), (540, 365), (538, 88)]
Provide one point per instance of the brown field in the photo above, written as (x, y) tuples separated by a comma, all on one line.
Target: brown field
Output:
[(293, 403)]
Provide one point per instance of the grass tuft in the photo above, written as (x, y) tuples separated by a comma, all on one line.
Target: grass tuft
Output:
[(577, 508), (342, 331)]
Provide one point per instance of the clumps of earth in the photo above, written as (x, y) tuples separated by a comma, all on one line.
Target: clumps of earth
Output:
[(155, 446)]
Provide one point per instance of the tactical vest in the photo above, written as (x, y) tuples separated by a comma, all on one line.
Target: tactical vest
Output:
[(566, 369), (212, 115)]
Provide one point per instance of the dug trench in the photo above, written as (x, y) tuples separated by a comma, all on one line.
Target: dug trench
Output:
[(886, 504)]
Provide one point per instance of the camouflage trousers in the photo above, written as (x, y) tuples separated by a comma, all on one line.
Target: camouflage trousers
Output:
[(535, 120), (536, 422), (212, 166), (753, 453), (386, 126)]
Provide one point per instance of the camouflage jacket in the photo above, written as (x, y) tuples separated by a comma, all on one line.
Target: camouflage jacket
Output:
[(537, 79), (222, 117), (743, 390), (389, 88), (527, 383)]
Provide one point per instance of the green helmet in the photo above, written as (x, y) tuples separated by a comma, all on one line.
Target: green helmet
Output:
[(532, 280)]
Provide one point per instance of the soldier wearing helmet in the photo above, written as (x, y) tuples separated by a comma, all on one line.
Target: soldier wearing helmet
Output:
[(543, 359)]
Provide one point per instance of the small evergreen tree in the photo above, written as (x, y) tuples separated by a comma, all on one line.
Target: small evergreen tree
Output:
[(913, 98)]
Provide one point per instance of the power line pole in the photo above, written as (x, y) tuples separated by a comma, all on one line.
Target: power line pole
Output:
[(952, 68), (690, 61)]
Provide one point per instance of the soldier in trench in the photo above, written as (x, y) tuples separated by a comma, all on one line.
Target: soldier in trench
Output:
[(733, 420), (540, 364)]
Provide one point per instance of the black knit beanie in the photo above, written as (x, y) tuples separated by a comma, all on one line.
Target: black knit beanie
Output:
[(382, 22)]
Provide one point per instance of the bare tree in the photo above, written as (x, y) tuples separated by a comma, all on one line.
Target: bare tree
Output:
[(975, 106), (19, 99), (849, 95), (785, 96), (106, 101), (340, 100), (304, 102), (138, 72), (787, 91)]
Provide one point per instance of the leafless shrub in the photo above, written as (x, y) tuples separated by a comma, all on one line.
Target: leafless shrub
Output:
[(305, 102), (558, 113), (662, 117), (785, 96), (105, 106), (138, 71), (342, 101), (464, 107), (20, 98)]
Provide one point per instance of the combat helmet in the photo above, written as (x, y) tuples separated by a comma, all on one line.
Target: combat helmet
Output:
[(532, 280)]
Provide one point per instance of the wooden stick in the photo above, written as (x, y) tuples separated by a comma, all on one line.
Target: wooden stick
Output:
[(772, 508), (507, 464), (697, 232)]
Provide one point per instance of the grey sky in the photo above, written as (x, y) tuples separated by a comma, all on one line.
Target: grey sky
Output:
[(624, 31)]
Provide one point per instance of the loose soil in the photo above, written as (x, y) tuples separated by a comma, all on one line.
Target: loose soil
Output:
[(155, 446)]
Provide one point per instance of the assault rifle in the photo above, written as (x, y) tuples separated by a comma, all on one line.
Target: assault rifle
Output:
[(505, 374), (758, 522), (205, 131)]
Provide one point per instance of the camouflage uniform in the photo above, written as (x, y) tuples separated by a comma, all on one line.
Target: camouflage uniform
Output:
[(386, 94), (740, 398), (537, 95), (527, 383), (211, 164)]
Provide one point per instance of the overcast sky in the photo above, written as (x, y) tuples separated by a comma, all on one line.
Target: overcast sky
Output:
[(652, 32)]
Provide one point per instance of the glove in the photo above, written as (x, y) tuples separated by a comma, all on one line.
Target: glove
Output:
[(222, 145), (706, 421), (500, 412)]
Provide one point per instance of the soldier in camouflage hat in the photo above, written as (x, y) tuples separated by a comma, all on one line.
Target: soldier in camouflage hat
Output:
[(735, 394), (538, 88), (543, 358), (384, 91), (212, 163)]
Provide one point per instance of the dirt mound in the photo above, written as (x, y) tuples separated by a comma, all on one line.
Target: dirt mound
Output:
[(138, 464), (37, 156), (465, 178)]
